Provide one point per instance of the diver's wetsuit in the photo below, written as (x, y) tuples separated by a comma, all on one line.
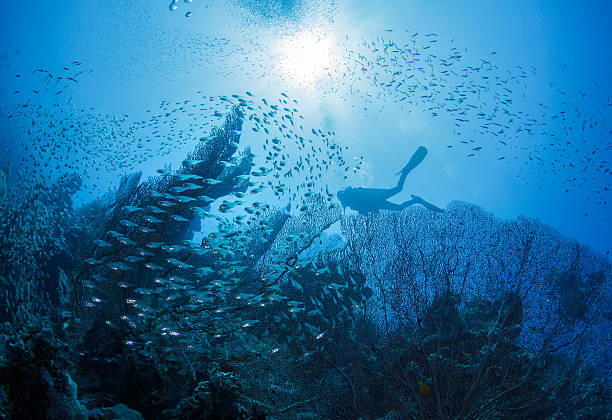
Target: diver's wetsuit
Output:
[(365, 200)]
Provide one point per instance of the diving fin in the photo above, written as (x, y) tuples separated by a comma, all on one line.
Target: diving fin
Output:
[(428, 205), (415, 160)]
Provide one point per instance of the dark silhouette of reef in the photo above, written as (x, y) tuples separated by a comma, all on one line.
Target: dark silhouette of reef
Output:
[(419, 314)]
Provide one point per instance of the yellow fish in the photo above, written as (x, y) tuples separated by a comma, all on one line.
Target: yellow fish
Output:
[(425, 389)]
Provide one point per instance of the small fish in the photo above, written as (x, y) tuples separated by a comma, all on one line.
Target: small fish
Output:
[(119, 266), (131, 209), (126, 241), (202, 213), (178, 263), (184, 199), (144, 291), (125, 285), (164, 203), (102, 244), (205, 199), (128, 223), (179, 190), (187, 177), (228, 205), (152, 219), (192, 186), (424, 388), (172, 248), (154, 209), (154, 245), (144, 253), (153, 267)]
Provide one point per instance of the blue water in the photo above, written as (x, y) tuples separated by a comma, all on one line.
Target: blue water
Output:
[(141, 54), (511, 101)]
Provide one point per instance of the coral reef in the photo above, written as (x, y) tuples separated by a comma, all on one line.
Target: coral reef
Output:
[(418, 315)]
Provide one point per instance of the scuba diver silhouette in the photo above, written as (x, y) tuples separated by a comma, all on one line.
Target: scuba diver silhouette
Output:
[(365, 200)]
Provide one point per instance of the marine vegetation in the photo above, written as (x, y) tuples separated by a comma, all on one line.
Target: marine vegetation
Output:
[(118, 309)]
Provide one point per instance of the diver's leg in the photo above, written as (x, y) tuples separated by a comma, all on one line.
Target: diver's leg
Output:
[(407, 204), (385, 205), (381, 194), (386, 193), (400, 183), (415, 160)]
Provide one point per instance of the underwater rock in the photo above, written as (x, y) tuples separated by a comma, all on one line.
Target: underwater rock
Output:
[(63, 400), (120, 375), (34, 376), (392, 415), (119, 411), (219, 397), (213, 398)]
